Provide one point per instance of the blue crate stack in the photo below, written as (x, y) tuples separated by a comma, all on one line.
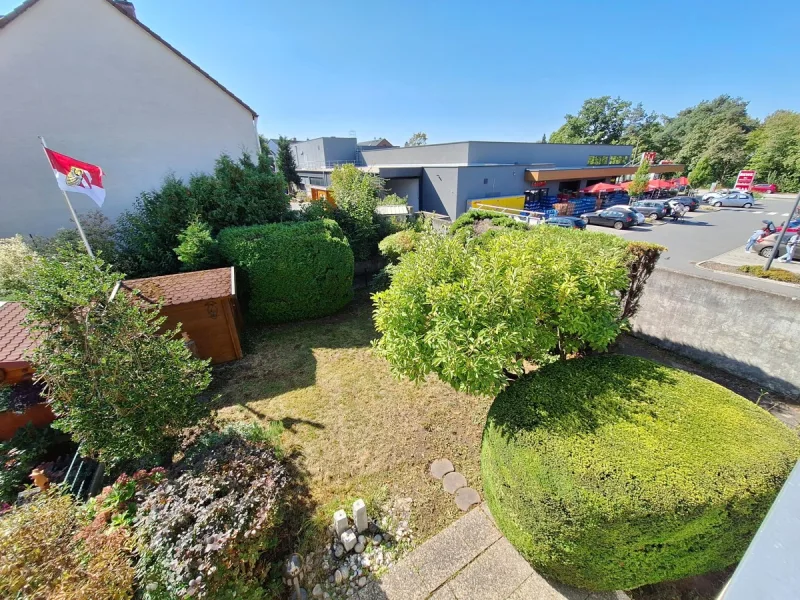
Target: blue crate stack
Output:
[(584, 205), (541, 205)]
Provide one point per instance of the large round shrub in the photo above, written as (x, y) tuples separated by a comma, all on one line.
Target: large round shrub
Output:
[(612, 472), (293, 270)]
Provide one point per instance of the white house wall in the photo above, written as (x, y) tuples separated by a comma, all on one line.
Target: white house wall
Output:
[(101, 89)]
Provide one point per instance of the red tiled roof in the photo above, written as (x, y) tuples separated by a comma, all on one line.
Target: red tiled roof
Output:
[(185, 287), (14, 336)]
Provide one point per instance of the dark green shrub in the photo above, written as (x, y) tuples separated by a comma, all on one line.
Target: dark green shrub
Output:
[(774, 274), (642, 259), (19, 456), (100, 232), (611, 472), (293, 270), (396, 245), (197, 249), (204, 533), (470, 218)]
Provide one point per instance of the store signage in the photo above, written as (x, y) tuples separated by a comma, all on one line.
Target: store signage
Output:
[(538, 184), (745, 180), (649, 157)]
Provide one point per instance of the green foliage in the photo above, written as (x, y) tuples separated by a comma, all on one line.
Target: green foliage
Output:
[(418, 139), (197, 249), (293, 270), (356, 194), (119, 387), (469, 219), (286, 163), (100, 232), (15, 256), (774, 274), (19, 456), (776, 150), (472, 310), (642, 259), (396, 245), (238, 193), (229, 498), (702, 174), (612, 472), (47, 552), (640, 179)]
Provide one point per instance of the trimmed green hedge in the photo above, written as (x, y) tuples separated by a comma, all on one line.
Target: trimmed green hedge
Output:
[(293, 270), (469, 218), (612, 472)]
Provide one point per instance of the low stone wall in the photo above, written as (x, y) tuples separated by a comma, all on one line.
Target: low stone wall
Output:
[(747, 332)]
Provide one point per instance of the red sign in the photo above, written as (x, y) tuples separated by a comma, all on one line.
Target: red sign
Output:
[(538, 184), (649, 157), (745, 180)]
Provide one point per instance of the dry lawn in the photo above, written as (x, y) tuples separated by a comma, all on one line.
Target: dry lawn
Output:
[(355, 430)]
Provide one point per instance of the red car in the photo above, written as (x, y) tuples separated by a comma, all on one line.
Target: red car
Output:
[(765, 188)]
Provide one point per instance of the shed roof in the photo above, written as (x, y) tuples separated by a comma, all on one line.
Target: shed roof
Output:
[(14, 336), (7, 19), (185, 287)]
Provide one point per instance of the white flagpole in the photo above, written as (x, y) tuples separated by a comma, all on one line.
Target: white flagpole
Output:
[(69, 206)]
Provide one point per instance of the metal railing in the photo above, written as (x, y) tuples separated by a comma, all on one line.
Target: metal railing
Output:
[(319, 165), (525, 216)]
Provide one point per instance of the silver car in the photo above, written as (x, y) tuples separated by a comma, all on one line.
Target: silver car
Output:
[(740, 199)]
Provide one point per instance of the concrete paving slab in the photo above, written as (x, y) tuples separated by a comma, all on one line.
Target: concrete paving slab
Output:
[(494, 575), (443, 593), (738, 258), (537, 587), (403, 582)]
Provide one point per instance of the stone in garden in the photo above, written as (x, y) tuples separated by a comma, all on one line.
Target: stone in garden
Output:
[(293, 565), (337, 577), (345, 571), (466, 498), (362, 581), (377, 539), (365, 562), (373, 527), (441, 467), (326, 596), (350, 592), (362, 539), (454, 481), (360, 515), (340, 522), (348, 540), (359, 548), (317, 591), (338, 551)]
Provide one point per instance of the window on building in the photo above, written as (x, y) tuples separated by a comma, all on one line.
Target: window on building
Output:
[(619, 160), (316, 181), (485, 180), (596, 160)]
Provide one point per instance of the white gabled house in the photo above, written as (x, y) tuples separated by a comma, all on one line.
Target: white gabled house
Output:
[(103, 88)]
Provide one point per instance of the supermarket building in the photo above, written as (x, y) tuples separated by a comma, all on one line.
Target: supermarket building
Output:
[(449, 178)]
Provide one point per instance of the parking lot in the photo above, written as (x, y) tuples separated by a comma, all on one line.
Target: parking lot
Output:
[(703, 235)]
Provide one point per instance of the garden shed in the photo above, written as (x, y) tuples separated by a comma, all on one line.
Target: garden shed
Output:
[(204, 303)]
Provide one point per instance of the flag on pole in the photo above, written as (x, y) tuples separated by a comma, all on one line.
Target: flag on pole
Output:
[(77, 176)]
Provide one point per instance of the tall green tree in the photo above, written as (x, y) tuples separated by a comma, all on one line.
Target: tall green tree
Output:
[(357, 194), (640, 179), (263, 146), (418, 139), (286, 163), (701, 175), (776, 150)]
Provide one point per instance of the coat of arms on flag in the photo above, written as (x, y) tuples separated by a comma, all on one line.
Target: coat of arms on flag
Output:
[(76, 176)]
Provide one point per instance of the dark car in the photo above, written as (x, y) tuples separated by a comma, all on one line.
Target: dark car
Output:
[(618, 219), (690, 202), (652, 209), (567, 222)]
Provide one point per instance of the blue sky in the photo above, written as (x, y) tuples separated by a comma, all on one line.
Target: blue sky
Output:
[(501, 70)]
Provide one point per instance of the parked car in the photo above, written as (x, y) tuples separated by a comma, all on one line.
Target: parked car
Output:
[(640, 218), (710, 196), (651, 208), (765, 245), (739, 199), (567, 222), (690, 202), (611, 217), (765, 188)]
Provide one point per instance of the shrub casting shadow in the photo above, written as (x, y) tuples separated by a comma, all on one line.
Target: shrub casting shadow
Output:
[(591, 403), (280, 358)]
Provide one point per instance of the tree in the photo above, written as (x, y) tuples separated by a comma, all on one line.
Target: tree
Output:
[(418, 139), (263, 146), (123, 388), (544, 139), (15, 256), (701, 175), (775, 150), (286, 164), (357, 194), (640, 179), (197, 249), (100, 233), (607, 120)]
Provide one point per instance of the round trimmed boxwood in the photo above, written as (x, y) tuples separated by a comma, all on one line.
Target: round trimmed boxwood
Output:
[(612, 472)]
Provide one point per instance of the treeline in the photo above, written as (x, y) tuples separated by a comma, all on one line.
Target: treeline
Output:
[(713, 139)]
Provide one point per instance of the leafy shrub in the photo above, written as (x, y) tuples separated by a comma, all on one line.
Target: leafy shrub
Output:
[(15, 256), (382, 279), (197, 249), (396, 245), (46, 553), (470, 219), (204, 533), (611, 472), (356, 194), (642, 259), (100, 233), (293, 270), (121, 386), (473, 310), (774, 274), (19, 456)]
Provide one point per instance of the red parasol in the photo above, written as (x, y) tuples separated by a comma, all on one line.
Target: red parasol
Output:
[(601, 187)]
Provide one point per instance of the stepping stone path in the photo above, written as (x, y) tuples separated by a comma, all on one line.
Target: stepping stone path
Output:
[(454, 483)]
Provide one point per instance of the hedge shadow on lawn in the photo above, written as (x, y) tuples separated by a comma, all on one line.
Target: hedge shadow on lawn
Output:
[(593, 412)]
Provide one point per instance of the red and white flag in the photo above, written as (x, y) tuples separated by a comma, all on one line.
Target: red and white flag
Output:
[(76, 176)]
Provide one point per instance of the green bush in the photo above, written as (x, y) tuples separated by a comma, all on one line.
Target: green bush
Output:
[(100, 233), (469, 219), (293, 270), (774, 274), (394, 246), (197, 249), (612, 472), (15, 256), (19, 456), (474, 309)]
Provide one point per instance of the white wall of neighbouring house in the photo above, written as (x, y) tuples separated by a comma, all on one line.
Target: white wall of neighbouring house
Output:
[(101, 89)]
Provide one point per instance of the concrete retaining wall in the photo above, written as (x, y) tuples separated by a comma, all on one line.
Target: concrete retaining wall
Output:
[(747, 332)]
